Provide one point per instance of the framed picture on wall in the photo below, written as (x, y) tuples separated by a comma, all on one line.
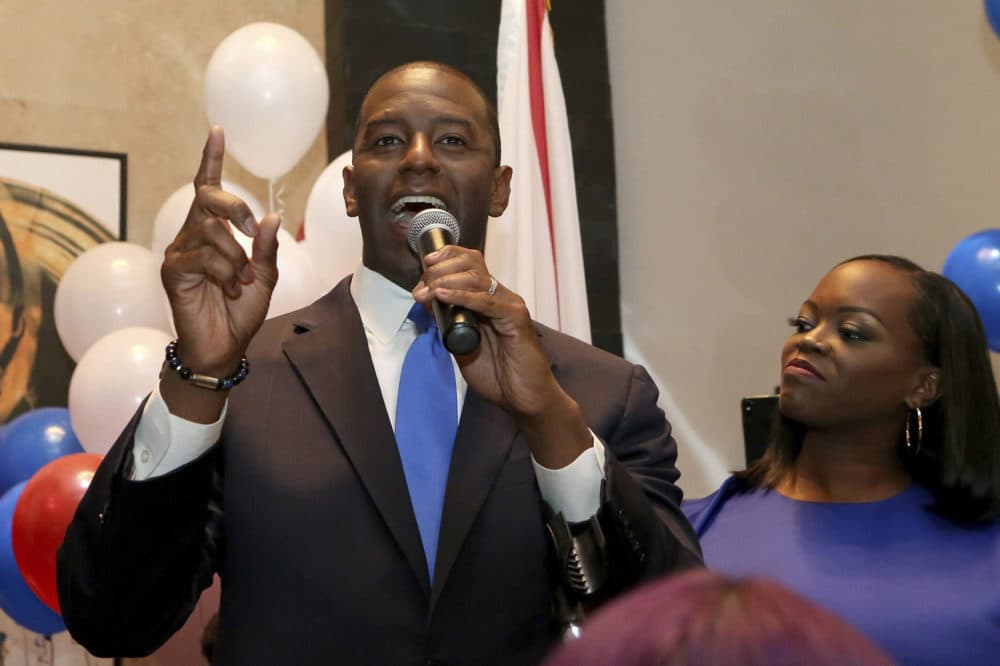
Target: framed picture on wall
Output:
[(55, 204)]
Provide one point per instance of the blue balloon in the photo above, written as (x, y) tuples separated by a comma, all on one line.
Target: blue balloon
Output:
[(993, 15), (16, 598), (974, 265), (33, 440)]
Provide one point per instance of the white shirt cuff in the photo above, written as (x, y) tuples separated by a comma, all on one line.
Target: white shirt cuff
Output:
[(574, 490), (164, 442)]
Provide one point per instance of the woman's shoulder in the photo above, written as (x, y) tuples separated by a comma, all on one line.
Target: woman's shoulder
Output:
[(700, 512)]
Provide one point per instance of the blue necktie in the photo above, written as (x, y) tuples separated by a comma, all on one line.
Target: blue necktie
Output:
[(426, 422)]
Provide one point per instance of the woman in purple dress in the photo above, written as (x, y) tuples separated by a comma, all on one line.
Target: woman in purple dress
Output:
[(879, 494)]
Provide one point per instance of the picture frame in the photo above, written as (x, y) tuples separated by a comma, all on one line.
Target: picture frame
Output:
[(55, 204)]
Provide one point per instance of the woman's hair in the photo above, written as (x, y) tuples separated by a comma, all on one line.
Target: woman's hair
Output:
[(959, 454), (701, 618)]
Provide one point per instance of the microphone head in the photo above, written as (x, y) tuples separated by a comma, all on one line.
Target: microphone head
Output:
[(431, 218)]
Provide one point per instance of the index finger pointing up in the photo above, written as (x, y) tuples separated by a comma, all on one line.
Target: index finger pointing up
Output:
[(210, 169)]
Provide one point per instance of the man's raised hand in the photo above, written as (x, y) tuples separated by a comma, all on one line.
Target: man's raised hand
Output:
[(219, 296)]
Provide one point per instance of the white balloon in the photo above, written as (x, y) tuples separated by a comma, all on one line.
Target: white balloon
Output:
[(296, 286), (110, 381), (332, 239), (266, 85), (107, 288), (170, 217)]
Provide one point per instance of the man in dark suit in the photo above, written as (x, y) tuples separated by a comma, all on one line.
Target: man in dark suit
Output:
[(559, 490)]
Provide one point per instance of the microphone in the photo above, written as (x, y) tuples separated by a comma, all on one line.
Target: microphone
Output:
[(429, 231)]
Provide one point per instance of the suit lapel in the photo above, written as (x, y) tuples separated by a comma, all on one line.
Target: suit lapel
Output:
[(331, 355), (482, 445)]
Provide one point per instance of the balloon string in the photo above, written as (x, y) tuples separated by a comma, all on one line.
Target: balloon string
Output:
[(275, 192)]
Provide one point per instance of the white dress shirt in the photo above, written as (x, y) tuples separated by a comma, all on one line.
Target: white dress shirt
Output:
[(164, 442)]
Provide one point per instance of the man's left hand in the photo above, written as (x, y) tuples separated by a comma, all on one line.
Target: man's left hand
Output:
[(509, 367)]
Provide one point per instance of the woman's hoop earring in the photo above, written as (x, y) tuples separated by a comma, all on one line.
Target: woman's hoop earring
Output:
[(910, 446)]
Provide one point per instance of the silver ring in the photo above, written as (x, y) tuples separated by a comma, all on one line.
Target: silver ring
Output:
[(493, 286)]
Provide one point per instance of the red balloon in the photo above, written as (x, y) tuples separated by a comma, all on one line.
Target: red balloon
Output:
[(43, 513)]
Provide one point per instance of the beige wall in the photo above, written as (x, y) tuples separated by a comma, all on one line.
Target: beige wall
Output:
[(758, 143), (127, 77)]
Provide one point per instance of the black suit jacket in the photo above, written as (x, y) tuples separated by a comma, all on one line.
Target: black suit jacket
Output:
[(303, 509)]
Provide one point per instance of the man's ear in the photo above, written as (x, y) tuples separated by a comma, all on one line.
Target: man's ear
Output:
[(501, 190), (350, 201), (927, 389)]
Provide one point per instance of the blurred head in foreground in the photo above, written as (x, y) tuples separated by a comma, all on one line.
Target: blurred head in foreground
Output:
[(702, 618)]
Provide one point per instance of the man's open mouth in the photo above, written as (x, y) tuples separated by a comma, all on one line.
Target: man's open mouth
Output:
[(406, 207)]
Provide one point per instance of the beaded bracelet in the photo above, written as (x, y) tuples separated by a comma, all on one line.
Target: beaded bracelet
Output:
[(206, 381)]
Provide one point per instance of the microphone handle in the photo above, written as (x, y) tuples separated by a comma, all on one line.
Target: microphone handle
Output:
[(458, 326)]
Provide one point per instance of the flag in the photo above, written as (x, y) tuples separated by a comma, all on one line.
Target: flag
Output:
[(534, 247)]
